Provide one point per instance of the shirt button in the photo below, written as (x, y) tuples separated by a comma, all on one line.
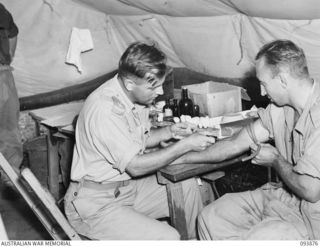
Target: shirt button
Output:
[(75, 193)]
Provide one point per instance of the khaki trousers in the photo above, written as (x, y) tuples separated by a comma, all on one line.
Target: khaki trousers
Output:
[(132, 215), (268, 213)]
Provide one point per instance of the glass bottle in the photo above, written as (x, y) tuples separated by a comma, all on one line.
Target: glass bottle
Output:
[(185, 104), (167, 111), (175, 108), (196, 111)]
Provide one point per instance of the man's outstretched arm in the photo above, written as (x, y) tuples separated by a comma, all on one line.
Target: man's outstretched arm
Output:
[(229, 147)]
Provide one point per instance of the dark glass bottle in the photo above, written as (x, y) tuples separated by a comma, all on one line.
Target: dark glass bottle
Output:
[(185, 104), (167, 110), (175, 108), (196, 111)]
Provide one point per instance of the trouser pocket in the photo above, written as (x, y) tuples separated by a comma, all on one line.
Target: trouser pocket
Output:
[(87, 202), (68, 199)]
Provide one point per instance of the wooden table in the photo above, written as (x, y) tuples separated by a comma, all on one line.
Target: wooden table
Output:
[(173, 175), (52, 119)]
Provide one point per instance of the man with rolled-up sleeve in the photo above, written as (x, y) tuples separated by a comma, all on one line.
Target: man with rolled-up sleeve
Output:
[(114, 194), (289, 210)]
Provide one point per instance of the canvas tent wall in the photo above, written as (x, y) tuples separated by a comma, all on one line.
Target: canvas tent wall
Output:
[(214, 37)]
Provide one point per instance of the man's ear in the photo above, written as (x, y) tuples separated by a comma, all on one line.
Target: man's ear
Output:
[(129, 84), (150, 77), (283, 80)]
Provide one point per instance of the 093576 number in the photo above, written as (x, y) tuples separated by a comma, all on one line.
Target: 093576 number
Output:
[(309, 243)]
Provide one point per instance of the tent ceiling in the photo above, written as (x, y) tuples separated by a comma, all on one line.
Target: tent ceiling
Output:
[(273, 9), (216, 37)]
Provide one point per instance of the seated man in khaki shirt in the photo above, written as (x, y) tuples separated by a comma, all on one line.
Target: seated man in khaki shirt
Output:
[(292, 121), (114, 192)]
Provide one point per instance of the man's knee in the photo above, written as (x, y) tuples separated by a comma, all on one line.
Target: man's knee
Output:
[(174, 235), (204, 214), (211, 219), (209, 212), (273, 230), (170, 233)]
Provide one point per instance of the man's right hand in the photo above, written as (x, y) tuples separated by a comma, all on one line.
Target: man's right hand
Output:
[(198, 142)]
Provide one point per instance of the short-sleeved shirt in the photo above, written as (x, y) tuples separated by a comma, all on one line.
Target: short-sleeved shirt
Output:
[(299, 142), (110, 131), (8, 29)]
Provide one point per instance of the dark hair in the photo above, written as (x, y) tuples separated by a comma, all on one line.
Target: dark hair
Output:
[(284, 53), (140, 58)]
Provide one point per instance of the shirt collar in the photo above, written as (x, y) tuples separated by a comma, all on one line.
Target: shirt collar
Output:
[(289, 117), (314, 96)]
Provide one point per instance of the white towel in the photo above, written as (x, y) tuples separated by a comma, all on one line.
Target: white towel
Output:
[(80, 41)]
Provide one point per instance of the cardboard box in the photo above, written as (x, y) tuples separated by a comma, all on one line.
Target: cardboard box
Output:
[(215, 98)]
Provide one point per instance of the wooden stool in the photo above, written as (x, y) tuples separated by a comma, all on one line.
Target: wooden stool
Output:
[(211, 178)]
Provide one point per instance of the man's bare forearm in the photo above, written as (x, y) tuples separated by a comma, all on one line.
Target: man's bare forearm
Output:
[(219, 151), (227, 148), (153, 161)]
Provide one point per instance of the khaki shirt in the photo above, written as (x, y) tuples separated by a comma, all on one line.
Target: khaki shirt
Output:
[(110, 131), (300, 144)]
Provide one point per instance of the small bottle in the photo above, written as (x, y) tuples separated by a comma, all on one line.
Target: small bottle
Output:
[(185, 104), (167, 111), (175, 108), (160, 117), (196, 111)]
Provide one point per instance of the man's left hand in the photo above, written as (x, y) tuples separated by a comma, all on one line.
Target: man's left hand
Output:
[(267, 156), (181, 130)]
